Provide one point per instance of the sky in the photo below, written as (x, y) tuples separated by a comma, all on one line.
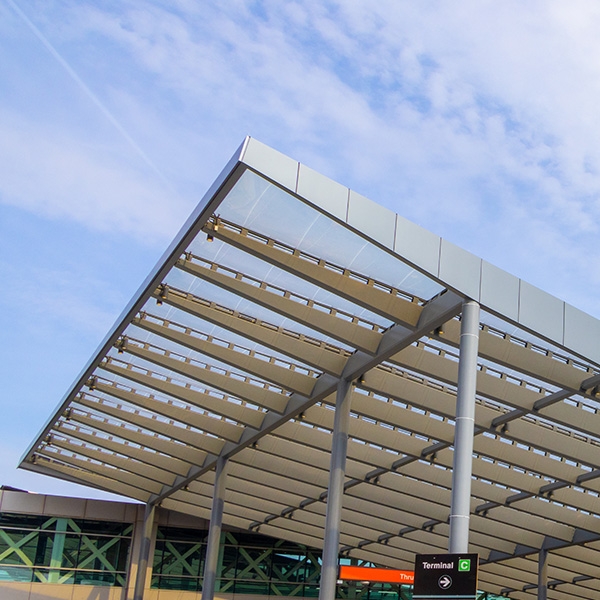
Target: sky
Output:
[(476, 119)]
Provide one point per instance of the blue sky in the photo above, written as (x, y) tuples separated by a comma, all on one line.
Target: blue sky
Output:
[(476, 119)]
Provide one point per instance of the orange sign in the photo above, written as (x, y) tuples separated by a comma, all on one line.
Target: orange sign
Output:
[(376, 575)]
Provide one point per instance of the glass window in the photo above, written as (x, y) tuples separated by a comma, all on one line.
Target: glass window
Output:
[(60, 550)]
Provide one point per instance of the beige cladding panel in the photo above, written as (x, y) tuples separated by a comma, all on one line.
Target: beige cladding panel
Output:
[(285, 377), (211, 403), (182, 436), (325, 323), (255, 394), (397, 309), (259, 331), (184, 416)]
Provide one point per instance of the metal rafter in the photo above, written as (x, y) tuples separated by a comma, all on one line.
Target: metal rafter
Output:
[(311, 351), (326, 320), (184, 380), (441, 309), (372, 295)]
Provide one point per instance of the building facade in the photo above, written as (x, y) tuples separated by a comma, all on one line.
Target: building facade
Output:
[(63, 548)]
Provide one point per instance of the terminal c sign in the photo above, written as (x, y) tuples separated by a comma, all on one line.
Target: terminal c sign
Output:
[(446, 576)]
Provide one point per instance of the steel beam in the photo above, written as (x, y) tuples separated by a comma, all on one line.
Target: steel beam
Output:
[(460, 507), (144, 557), (439, 310), (322, 355), (214, 531), (303, 310), (543, 574), (337, 473)]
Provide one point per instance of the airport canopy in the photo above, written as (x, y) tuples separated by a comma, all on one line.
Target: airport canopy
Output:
[(283, 282)]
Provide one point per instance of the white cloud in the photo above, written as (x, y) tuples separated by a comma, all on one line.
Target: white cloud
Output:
[(56, 175), (65, 298)]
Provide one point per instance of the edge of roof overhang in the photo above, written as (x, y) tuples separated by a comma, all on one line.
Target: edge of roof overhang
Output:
[(49, 472), (497, 291), (205, 208)]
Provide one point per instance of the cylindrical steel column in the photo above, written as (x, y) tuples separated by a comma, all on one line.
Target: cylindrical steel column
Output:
[(460, 508), (214, 531), (543, 575), (142, 567), (333, 515)]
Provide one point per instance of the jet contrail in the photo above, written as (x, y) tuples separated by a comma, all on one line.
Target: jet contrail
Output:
[(87, 90)]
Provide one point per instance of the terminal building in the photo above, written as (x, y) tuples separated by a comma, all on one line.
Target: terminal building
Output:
[(308, 380)]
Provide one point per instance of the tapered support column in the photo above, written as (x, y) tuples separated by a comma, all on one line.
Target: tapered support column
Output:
[(333, 515), (543, 575), (214, 531), (465, 423), (142, 568)]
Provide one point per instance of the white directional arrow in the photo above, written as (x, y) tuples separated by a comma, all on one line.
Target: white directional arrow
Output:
[(444, 582)]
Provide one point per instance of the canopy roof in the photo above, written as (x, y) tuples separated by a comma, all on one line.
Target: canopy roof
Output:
[(281, 283)]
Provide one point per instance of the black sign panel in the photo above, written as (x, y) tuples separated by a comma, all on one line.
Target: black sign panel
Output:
[(445, 576)]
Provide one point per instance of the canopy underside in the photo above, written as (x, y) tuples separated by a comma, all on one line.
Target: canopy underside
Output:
[(235, 348)]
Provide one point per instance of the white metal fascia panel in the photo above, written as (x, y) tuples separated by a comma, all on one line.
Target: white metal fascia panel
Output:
[(539, 311), (582, 331), (499, 291), (460, 270), (372, 220), (430, 254), (418, 246), (278, 167), (326, 193)]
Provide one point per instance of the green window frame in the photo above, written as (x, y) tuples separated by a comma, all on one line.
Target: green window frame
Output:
[(63, 550)]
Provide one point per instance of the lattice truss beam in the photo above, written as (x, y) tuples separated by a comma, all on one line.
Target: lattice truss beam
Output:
[(238, 351)]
